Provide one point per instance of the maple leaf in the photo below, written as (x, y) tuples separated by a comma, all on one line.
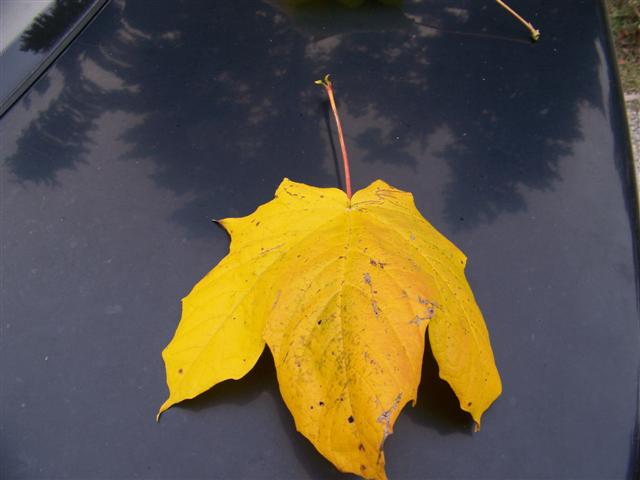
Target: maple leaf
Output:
[(342, 292), (342, 289)]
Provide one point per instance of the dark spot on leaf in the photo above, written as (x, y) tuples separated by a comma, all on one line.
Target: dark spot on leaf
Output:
[(362, 468), (311, 407), (257, 223), (350, 419), (321, 196), (361, 448), (321, 403), (469, 404), (319, 322), (373, 262), (180, 370)]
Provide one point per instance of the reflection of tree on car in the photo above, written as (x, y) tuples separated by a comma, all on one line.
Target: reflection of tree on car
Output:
[(257, 95), (49, 27)]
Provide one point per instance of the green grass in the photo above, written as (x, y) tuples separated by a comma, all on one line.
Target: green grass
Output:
[(625, 25)]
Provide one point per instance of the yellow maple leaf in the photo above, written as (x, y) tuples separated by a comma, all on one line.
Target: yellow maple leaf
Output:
[(342, 291)]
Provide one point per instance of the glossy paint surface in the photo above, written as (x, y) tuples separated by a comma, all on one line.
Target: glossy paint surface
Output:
[(157, 119)]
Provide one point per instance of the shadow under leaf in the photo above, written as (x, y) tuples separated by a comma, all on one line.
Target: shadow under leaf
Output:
[(437, 406)]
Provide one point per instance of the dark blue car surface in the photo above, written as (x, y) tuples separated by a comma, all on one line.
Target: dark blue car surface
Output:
[(128, 125)]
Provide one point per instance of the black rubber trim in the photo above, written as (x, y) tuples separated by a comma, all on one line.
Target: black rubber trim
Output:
[(53, 55)]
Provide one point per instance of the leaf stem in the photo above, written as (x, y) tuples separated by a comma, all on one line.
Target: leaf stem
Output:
[(535, 34), (328, 86)]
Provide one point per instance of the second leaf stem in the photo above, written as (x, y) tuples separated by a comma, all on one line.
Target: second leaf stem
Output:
[(535, 33)]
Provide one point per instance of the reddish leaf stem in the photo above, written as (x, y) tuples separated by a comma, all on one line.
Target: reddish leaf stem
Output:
[(328, 86)]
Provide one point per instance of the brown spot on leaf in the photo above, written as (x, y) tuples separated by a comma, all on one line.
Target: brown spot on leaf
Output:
[(417, 320), (361, 447), (377, 263), (367, 278), (180, 371), (350, 419), (385, 420)]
